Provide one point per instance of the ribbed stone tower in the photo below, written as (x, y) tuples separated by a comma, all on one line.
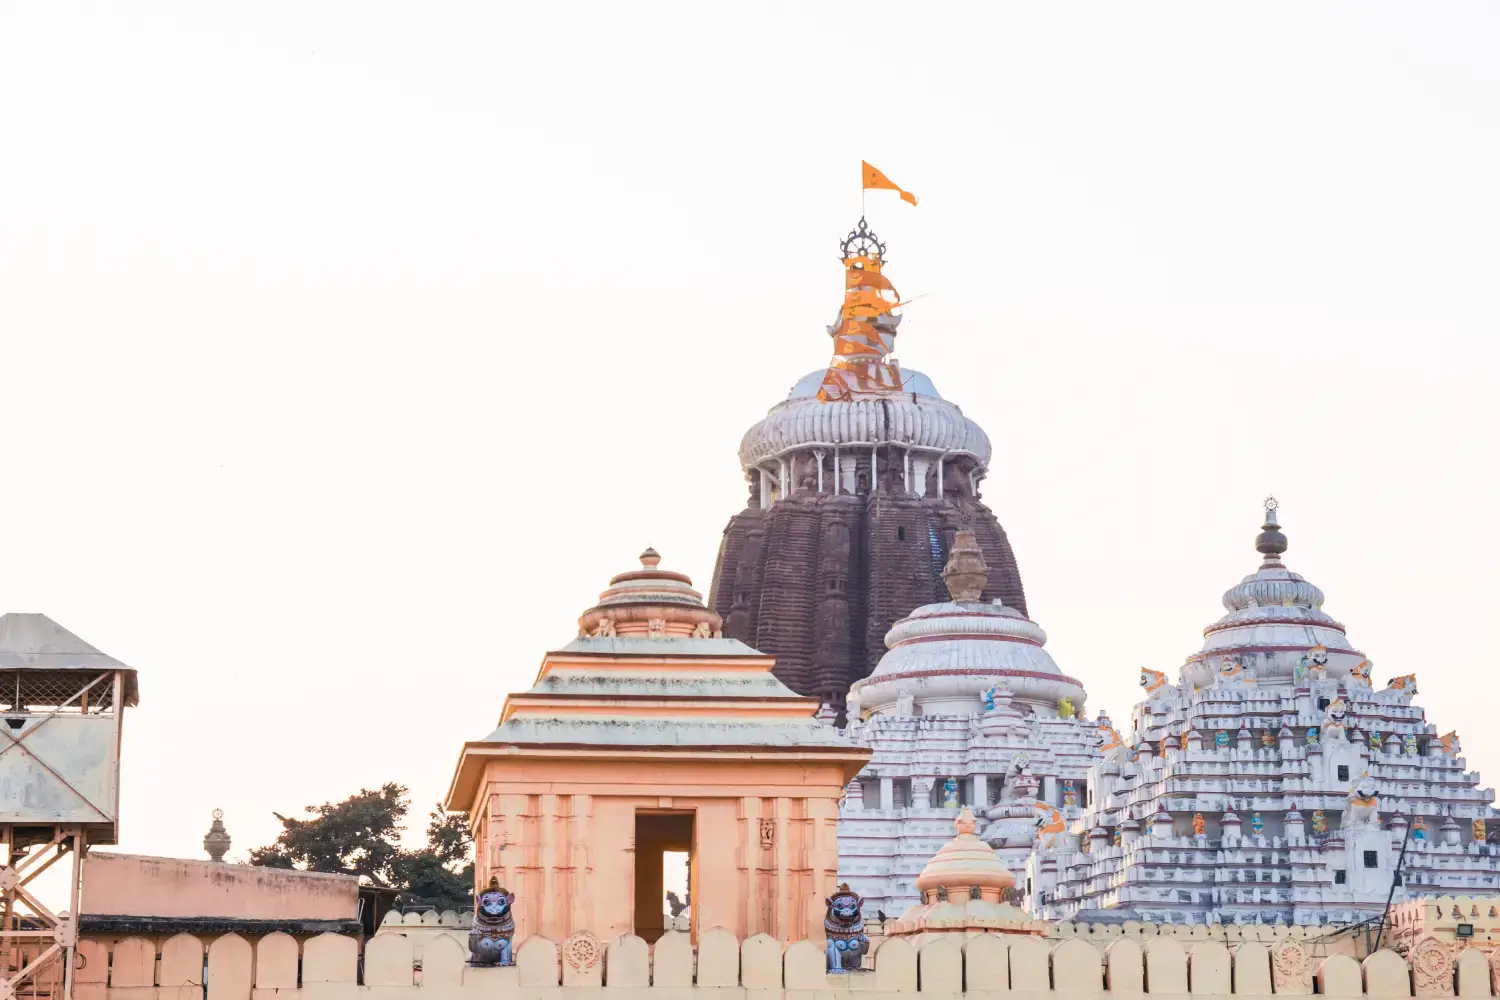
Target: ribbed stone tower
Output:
[(858, 481)]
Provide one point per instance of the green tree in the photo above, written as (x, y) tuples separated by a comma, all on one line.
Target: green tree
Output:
[(361, 836)]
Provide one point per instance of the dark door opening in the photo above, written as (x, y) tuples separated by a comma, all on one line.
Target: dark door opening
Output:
[(657, 835)]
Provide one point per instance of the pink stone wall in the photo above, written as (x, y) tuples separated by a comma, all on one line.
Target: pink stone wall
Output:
[(131, 885)]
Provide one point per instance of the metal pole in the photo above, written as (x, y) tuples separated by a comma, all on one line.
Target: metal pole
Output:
[(1395, 881)]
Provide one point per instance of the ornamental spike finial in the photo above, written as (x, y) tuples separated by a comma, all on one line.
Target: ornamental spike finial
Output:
[(1270, 543)]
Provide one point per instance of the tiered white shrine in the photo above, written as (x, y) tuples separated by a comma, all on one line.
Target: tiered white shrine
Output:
[(1275, 786), (965, 709)]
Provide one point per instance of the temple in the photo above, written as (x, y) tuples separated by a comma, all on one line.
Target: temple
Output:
[(966, 710), (652, 734), (1273, 784), (858, 481)]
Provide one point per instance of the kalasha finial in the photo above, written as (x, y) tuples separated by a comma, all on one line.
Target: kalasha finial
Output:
[(862, 242), (650, 559), (216, 841), (1270, 543), (966, 572)]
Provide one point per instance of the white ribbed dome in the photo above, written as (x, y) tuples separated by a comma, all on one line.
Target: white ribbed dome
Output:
[(907, 420)]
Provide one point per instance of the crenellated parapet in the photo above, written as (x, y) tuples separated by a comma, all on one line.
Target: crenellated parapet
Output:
[(1077, 963)]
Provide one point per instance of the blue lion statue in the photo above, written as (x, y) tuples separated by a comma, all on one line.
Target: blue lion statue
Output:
[(494, 925), (845, 927)]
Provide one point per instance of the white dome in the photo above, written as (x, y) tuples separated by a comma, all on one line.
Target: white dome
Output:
[(912, 381), (946, 655), (911, 420)]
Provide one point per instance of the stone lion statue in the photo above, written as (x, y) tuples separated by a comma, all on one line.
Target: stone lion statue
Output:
[(845, 927), (1363, 805), (494, 925)]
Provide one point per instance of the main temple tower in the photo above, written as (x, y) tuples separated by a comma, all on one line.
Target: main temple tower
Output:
[(858, 481)]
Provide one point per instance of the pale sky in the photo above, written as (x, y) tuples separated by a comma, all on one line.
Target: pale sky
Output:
[(349, 348)]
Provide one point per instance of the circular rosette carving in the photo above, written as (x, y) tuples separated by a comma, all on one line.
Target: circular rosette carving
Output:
[(1290, 968), (582, 951), (1432, 968)]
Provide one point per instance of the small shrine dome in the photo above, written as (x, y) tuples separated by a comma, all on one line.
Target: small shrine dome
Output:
[(1275, 620), (650, 602), (947, 655), (963, 889)]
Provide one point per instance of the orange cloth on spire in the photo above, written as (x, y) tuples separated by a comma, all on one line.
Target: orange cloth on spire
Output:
[(872, 178)]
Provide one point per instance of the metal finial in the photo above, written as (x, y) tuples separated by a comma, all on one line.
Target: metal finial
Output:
[(1271, 504), (218, 814), (862, 242)]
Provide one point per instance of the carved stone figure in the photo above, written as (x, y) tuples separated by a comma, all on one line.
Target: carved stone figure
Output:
[(656, 628), (950, 793), (1232, 671), (1050, 826), (1405, 684), (1449, 743), (703, 630), (1267, 741), (1419, 830), (844, 926), (606, 629), (1221, 740), (1070, 794), (1478, 831), (905, 703), (494, 925), (1363, 805), (1375, 740), (1155, 683), (1257, 825), (1314, 662), (1319, 822), (1360, 672)]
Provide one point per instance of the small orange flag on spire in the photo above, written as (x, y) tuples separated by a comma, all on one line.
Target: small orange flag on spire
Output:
[(872, 178)]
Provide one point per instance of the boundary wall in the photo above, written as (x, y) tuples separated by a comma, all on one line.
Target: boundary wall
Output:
[(430, 965)]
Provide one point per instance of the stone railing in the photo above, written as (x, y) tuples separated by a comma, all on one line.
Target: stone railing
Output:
[(329, 967)]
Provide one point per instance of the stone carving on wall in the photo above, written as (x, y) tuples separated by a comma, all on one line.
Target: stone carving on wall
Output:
[(845, 927), (767, 833), (703, 631), (494, 926), (1432, 968), (656, 628), (582, 951), (606, 629), (1291, 970)]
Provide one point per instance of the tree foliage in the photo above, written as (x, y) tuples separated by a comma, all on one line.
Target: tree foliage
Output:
[(361, 836)]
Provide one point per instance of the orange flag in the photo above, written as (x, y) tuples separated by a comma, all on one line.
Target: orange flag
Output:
[(872, 178)]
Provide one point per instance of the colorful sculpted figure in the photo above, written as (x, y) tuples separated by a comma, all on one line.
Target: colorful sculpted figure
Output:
[(1065, 708), (1419, 829), (1405, 684), (1409, 744), (1109, 738), (1362, 808), (1360, 672), (1449, 742), (1198, 824), (1257, 825), (1070, 795), (844, 926), (1313, 663), (1221, 741), (1320, 822), (989, 699), (494, 926), (1267, 741), (1375, 740), (1479, 831), (1050, 826), (1155, 683), (1312, 736), (1118, 836), (1232, 670), (950, 793)]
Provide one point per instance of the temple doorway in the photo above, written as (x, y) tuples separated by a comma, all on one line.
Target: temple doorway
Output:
[(664, 859)]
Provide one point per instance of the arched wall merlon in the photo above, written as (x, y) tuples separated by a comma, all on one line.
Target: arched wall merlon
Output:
[(431, 959)]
